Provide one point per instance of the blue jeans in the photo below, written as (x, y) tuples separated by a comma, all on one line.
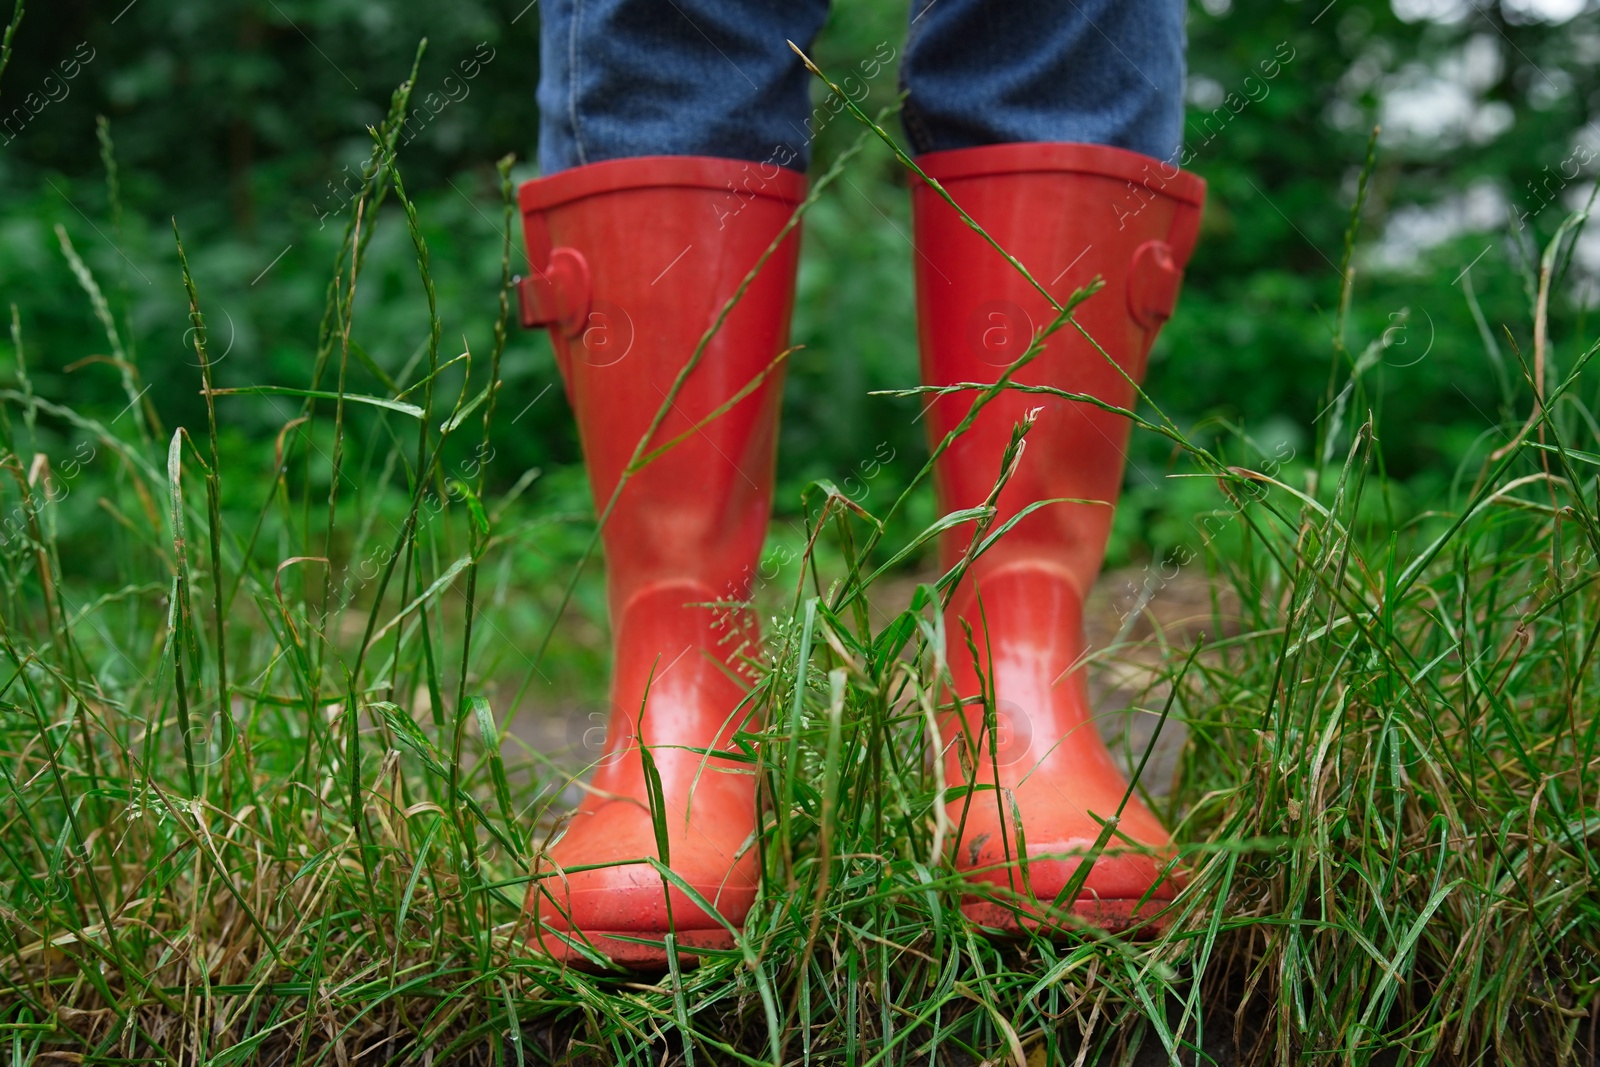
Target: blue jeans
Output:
[(622, 78)]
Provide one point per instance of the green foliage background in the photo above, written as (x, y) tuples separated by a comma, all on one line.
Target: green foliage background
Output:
[(240, 117)]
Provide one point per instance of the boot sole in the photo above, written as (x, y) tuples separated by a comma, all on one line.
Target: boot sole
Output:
[(633, 955), (1125, 918)]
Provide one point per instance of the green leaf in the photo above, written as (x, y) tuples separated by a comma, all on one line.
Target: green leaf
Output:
[(497, 768), (658, 803), (449, 425), (474, 505), (318, 394)]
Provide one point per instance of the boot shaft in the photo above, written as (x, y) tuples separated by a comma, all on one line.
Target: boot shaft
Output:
[(1069, 213), (634, 261)]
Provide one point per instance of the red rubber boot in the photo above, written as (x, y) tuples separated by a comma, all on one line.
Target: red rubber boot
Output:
[(636, 260), (1068, 213)]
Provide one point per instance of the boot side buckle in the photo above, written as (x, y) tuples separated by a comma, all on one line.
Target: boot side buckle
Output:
[(1153, 280), (558, 296)]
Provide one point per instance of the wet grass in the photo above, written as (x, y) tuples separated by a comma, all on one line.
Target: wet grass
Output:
[(257, 812)]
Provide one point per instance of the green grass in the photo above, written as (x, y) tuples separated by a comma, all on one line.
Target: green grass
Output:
[(257, 809)]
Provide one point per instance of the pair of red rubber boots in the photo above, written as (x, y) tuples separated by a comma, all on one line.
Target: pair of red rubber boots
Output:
[(634, 261)]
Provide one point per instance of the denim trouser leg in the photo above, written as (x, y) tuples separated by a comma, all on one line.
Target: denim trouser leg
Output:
[(986, 72), (624, 78)]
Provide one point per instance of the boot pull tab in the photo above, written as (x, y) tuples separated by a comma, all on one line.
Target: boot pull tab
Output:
[(1153, 279), (558, 297)]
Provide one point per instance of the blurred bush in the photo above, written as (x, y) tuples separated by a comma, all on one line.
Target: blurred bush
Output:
[(243, 119)]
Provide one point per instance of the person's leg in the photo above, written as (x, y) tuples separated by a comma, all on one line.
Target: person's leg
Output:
[(670, 150), (999, 135), (625, 78), (1107, 72)]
